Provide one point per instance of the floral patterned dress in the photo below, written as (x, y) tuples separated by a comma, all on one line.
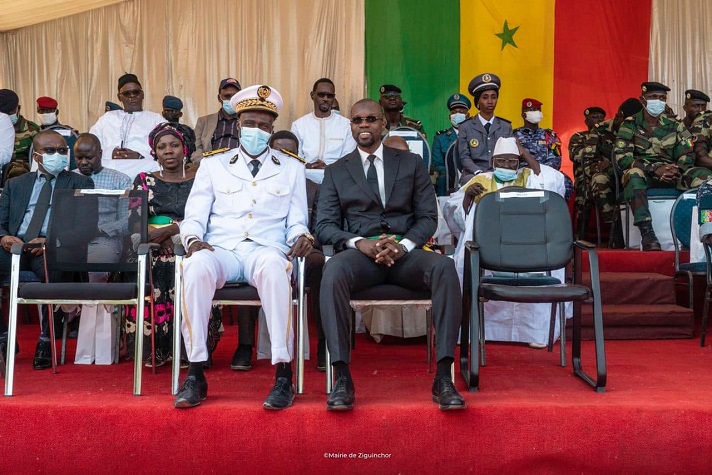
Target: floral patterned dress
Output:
[(164, 199)]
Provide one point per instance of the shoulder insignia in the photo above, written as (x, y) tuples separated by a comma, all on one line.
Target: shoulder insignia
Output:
[(589, 149), (215, 152), (440, 132), (474, 143), (503, 119), (694, 138), (275, 160), (234, 159), (620, 143)]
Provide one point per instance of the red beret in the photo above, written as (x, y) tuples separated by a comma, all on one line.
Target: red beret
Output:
[(528, 103), (45, 102)]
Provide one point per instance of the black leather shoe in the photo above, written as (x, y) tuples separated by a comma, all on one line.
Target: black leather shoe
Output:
[(342, 396), (445, 394), (242, 359), (3, 345), (648, 239), (281, 396), (191, 393), (43, 356)]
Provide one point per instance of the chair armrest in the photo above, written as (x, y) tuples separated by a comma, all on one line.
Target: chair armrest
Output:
[(448, 249), (584, 245), (145, 247), (179, 250), (328, 250), (19, 247), (472, 246)]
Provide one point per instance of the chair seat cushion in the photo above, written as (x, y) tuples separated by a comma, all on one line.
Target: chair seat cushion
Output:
[(236, 291), (694, 267), (526, 280), (390, 292), (78, 291), (663, 193), (535, 294)]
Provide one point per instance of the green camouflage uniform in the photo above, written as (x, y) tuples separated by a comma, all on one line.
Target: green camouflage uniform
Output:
[(25, 132), (576, 146), (406, 121), (701, 131), (639, 152)]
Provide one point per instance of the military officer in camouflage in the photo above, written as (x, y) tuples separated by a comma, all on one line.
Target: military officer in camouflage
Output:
[(596, 159), (459, 106), (392, 105), (654, 150), (695, 105), (25, 132), (701, 131), (477, 136), (577, 145)]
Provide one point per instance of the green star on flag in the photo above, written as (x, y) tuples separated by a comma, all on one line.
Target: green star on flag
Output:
[(507, 35)]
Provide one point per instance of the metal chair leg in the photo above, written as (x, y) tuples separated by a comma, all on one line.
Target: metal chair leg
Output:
[(429, 324), (329, 372), (705, 313), (65, 325), (481, 336), (562, 338)]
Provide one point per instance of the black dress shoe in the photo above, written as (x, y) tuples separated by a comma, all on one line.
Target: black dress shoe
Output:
[(342, 396), (191, 393), (242, 359), (3, 345), (445, 394), (43, 356), (281, 396)]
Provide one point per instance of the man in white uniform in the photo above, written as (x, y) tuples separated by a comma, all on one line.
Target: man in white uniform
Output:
[(246, 218), (505, 321), (124, 133), (7, 139), (324, 136)]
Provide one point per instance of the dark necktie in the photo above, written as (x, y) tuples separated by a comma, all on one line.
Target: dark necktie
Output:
[(255, 166), (41, 207), (372, 178), (487, 127)]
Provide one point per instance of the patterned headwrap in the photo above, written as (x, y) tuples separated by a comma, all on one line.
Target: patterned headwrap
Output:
[(166, 128)]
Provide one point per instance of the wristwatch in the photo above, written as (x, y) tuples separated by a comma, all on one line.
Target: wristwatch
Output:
[(404, 249), (309, 236)]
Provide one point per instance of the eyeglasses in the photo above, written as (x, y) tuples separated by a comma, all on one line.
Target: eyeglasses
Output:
[(359, 120), (391, 95), (132, 93), (327, 95), (508, 162), (59, 150)]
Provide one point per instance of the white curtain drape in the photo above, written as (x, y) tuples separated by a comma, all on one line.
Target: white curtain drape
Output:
[(681, 48), (184, 48)]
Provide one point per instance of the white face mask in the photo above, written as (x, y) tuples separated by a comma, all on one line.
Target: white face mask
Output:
[(48, 119), (533, 117)]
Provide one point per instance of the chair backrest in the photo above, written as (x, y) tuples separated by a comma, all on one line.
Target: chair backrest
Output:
[(416, 142), (681, 218), (96, 230), (523, 231), (453, 167)]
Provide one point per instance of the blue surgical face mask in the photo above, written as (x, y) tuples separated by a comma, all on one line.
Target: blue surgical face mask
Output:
[(457, 118), (254, 140), (54, 163), (505, 174), (655, 107), (14, 118), (227, 107)]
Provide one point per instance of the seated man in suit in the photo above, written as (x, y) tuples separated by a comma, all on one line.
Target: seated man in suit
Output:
[(220, 130), (379, 228), (245, 219), (25, 204)]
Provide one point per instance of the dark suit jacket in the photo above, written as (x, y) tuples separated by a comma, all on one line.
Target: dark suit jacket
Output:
[(204, 130), (348, 208), (15, 197)]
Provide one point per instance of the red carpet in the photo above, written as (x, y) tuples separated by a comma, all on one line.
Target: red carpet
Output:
[(531, 416)]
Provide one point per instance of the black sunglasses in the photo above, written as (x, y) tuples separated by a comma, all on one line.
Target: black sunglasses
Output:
[(59, 150), (359, 120), (328, 95), (132, 93)]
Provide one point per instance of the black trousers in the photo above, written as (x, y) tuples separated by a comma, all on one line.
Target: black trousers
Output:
[(351, 271)]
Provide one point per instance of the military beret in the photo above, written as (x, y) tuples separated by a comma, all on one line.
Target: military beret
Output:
[(230, 82), (127, 78), (529, 103), (698, 95), (172, 102), (652, 86), (594, 110), (484, 82), (630, 106), (45, 102), (458, 100), (8, 100), (390, 89), (112, 106)]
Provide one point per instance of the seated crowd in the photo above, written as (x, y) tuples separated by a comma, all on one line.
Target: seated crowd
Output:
[(245, 200)]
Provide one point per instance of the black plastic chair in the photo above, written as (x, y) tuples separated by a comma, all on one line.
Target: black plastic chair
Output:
[(241, 294), (523, 232), (412, 136), (680, 222), (73, 225)]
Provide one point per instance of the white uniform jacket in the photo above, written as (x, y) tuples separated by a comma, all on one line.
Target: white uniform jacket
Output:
[(227, 205)]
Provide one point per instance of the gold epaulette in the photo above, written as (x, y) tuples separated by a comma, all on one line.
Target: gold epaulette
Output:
[(293, 155), (215, 152)]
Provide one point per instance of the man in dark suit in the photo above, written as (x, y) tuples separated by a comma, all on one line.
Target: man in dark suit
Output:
[(380, 227), (218, 131), (20, 200)]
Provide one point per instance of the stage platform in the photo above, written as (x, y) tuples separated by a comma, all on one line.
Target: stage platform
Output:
[(531, 416)]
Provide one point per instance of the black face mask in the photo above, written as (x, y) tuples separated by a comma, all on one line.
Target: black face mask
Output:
[(171, 117)]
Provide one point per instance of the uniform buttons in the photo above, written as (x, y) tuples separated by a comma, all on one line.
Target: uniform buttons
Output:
[(254, 202), (277, 191), (246, 234), (254, 183), (249, 216)]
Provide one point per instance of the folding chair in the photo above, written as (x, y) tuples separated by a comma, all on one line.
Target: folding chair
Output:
[(521, 232), (680, 225), (416, 142), (73, 225), (240, 293)]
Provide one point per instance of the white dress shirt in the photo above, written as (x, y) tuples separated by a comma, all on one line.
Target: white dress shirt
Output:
[(7, 139)]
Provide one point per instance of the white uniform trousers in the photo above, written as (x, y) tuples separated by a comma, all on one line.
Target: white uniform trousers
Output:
[(265, 268)]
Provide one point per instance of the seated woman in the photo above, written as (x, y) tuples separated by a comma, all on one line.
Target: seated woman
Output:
[(505, 321), (168, 191)]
